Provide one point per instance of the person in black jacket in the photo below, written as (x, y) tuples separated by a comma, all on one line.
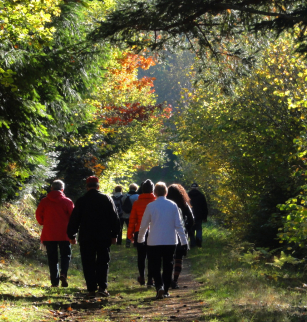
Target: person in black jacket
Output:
[(177, 193), (95, 217), (200, 212)]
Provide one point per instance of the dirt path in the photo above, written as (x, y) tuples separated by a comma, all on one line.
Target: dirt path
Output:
[(179, 307)]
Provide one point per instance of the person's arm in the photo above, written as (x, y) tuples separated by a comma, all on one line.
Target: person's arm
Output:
[(205, 208), (74, 223), (189, 217), (70, 207), (144, 225), (179, 227), (132, 222), (115, 226), (40, 213)]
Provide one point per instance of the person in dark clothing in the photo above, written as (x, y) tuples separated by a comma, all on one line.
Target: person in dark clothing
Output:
[(177, 193), (200, 212), (95, 217), (117, 198)]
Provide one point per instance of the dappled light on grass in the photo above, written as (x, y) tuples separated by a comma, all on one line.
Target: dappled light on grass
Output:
[(231, 290)]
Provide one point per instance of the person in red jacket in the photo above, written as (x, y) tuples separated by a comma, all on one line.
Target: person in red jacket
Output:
[(136, 216), (53, 213)]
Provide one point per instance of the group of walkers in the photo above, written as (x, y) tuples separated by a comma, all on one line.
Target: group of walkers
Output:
[(158, 219)]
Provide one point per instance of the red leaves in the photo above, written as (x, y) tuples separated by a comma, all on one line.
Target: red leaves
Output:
[(132, 111)]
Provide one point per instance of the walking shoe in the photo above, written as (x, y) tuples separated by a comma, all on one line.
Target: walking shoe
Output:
[(174, 285), (141, 280), (166, 294), (63, 280), (160, 293), (90, 295), (103, 293)]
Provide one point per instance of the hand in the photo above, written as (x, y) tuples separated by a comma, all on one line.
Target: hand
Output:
[(73, 241), (132, 240), (114, 241), (184, 249)]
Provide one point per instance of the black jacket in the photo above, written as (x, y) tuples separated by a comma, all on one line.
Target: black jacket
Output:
[(188, 217), (199, 205), (95, 216)]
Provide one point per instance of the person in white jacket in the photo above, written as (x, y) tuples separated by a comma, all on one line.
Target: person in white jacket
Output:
[(163, 220)]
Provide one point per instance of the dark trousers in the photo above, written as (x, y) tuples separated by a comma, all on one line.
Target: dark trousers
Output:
[(120, 237), (53, 261), (178, 261), (157, 255), (196, 240), (142, 254), (95, 257)]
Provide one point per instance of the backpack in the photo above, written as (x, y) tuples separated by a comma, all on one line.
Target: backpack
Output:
[(118, 204), (127, 205)]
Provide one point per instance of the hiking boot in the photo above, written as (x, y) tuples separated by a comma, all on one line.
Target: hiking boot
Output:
[(141, 280), (174, 285), (90, 295), (160, 293), (103, 293), (63, 280)]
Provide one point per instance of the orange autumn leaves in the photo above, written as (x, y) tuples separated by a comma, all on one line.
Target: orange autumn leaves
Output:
[(125, 73), (129, 98)]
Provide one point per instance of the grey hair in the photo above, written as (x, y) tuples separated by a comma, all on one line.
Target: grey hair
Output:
[(58, 185)]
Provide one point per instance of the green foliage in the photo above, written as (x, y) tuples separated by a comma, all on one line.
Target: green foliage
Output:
[(200, 25), (45, 71), (238, 143)]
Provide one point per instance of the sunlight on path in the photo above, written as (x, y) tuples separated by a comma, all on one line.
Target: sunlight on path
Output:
[(179, 307)]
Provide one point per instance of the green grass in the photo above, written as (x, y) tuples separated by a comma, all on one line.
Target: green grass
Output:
[(233, 291), (25, 292), (229, 289)]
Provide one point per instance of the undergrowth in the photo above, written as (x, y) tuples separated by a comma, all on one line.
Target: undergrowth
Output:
[(242, 284)]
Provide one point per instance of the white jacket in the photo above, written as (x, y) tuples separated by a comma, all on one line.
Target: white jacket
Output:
[(163, 218)]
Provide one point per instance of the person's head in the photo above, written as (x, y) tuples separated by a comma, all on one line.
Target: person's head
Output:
[(148, 186), (92, 182), (118, 189), (58, 185), (133, 187), (160, 189), (194, 185), (177, 193)]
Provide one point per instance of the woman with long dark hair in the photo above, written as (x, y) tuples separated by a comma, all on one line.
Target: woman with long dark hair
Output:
[(177, 193)]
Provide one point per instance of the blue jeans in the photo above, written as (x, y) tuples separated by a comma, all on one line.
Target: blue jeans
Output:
[(53, 261)]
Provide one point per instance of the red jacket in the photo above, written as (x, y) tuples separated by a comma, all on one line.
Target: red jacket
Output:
[(137, 212), (53, 212)]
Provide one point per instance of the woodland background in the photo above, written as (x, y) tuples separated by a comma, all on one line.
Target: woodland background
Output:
[(178, 91)]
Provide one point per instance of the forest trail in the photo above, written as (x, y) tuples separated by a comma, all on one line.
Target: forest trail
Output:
[(181, 306)]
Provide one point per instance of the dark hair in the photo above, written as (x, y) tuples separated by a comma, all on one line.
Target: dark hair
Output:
[(92, 184), (118, 189), (148, 186), (177, 193)]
